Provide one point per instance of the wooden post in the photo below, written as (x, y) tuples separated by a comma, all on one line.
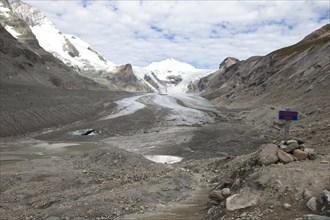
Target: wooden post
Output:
[(287, 130)]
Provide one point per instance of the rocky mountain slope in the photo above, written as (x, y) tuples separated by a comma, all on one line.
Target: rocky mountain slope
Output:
[(295, 77), (70, 49), (23, 61)]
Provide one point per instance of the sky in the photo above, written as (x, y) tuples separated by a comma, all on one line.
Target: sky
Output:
[(201, 33)]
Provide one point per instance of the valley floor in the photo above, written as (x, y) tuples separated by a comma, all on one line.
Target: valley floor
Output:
[(89, 160)]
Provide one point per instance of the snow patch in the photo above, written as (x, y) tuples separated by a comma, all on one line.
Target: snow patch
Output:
[(127, 106), (163, 159), (12, 31), (4, 10)]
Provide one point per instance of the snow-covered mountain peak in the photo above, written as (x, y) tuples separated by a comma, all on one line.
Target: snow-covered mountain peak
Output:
[(171, 65), (29, 14), (68, 48)]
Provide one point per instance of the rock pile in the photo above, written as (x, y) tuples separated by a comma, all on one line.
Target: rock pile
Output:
[(285, 152)]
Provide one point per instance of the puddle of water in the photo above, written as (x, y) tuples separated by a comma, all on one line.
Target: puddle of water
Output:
[(163, 159), (54, 146)]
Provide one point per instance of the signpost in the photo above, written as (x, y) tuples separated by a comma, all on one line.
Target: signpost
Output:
[(288, 116)]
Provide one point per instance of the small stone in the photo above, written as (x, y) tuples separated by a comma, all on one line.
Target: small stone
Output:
[(284, 157), (286, 206), (226, 192), (312, 156), (300, 141), (278, 184), (216, 196), (159, 206), (307, 194), (291, 141), (312, 204), (299, 154), (236, 184), (309, 150), (267, 155)]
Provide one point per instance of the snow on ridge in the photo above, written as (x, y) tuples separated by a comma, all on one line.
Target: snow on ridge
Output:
[(12, 31), (4, 10), (68, 48), (171, 65)]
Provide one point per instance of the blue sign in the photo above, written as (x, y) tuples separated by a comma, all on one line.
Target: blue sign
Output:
[(288, 115)]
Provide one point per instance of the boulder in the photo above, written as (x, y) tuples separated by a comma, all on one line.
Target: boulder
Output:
[(216, 196), (299, 154), (327, 195), (267, 155), (241, 201), (284, 157), (312, 204), (291, 146)]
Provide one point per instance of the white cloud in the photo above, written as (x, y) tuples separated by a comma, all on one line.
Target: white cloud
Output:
[(202, 33)]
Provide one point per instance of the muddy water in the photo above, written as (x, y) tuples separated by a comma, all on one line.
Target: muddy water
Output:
[(15, 152)]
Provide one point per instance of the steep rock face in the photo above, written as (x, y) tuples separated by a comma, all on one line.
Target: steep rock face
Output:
[(295, 77), (292, 68), (16, 26), (70, 49), (123, 78), (20, 64), (220, 76)]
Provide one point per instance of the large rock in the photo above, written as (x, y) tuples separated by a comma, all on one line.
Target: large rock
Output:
[(284, 157), (312, 204), (299, 154), (241, 201), (267, 155)]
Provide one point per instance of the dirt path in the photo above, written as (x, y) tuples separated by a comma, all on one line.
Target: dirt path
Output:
[(192, 207)]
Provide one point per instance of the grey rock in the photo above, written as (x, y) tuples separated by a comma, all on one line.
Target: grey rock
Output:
[(286, 206), (216, 196), (291, 141), (315, 217), (241, 201), (226, 192), (312, 204), (307, 194), (291, 147), (278, 184), (327, 195), (312, 156), (309, 150)]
